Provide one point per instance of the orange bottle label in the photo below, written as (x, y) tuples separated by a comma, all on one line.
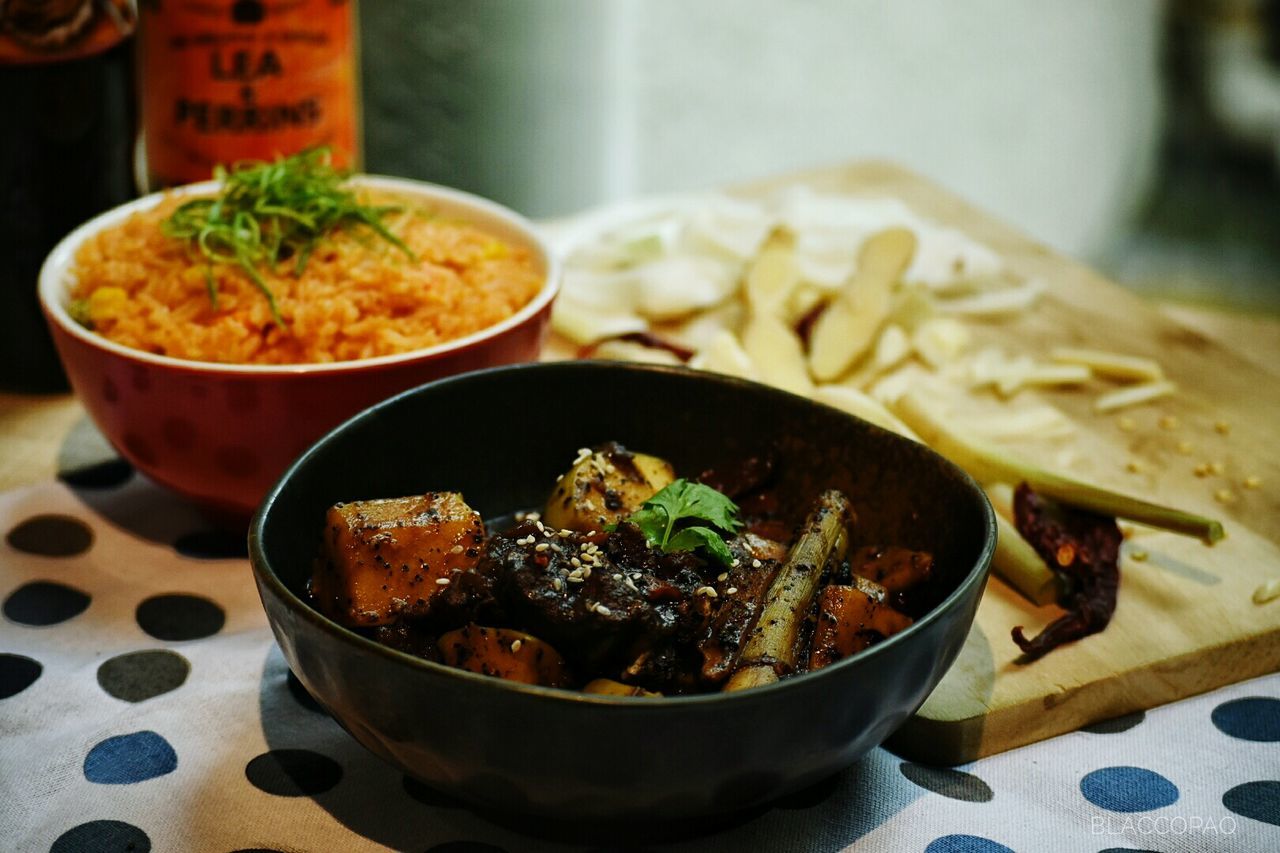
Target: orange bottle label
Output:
[(228, 80)]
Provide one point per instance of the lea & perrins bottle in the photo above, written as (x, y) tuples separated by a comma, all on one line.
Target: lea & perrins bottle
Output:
[(229, 80)]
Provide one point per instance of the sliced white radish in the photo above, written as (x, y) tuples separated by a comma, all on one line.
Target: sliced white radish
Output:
[(617, 350), (861, 405), (772, 275), (892, 347), (678, 285), (777, 353), (1114, 365), (1133, 395), (848, 326), (1040, 421), (730, 226), (586, 324), (941, 340), (724, 354), (995, 303)]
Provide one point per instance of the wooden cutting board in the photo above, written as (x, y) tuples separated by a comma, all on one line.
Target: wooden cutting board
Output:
[(1185, 622)]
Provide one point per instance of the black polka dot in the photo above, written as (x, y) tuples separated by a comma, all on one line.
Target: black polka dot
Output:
[(1257, 800), (138, 676), (1115, 725), (293, 772), (100, 475), (429, 796), (212, 545), (807, 798), (466, 847), (178, 616), (300, 694), (17, 673), (948, 783), (102, 836), (1255, 718), (41, 603), (51, 536)]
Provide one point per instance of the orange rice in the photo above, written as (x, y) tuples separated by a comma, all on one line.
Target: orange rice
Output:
[(358, 297)]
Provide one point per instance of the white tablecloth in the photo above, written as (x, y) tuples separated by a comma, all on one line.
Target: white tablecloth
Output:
[(143, 702)]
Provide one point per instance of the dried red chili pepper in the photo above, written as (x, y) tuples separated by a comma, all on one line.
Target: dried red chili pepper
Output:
[(1084, 547)]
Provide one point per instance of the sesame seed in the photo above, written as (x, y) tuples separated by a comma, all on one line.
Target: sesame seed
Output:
[(541, 527), (533, 516), (1127, 424), (541, 546), (1201, 470), (629, 582), (1138, 554), (586, 571), (442, 581), (565, 533), (618, 576), (722, 577), (574, 579), (1133, 466), (731, 590), (755, 564), (575, 562), (736, 562), (557, 584), (1224, 496), (1222, 427), (1253, 482), (603, 611), (1216, 468), (1185, 448), (705, 590), (516, 644), (456, 549), (1168, 422)]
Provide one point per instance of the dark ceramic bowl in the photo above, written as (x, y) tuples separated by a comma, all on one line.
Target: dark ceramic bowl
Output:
[(501, 437)]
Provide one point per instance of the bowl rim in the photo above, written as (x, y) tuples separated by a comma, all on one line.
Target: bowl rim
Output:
[(266, 575), (55, 274)]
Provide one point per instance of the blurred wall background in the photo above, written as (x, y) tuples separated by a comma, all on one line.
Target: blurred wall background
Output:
[(1096, 126)]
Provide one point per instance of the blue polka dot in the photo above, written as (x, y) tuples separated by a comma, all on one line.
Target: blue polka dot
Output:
[(125, 759), (1257, 800), (1254, 718), (1128, 789), (965, 844), (102, 836)]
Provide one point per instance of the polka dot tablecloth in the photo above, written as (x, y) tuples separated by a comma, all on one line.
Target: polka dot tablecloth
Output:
[(144, 706)]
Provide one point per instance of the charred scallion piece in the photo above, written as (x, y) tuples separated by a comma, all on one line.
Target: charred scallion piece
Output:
[(271, 213), (771, 650)]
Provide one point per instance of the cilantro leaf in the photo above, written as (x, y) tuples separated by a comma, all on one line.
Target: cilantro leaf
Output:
[(652, 521), (683, 501), (690, 538)]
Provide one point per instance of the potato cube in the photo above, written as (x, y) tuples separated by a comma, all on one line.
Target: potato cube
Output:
[(384, 559)]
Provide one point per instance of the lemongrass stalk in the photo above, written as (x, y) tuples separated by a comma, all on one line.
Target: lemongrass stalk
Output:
[(989, 464)]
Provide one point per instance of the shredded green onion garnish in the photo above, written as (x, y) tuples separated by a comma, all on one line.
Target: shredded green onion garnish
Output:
[(269, 213)]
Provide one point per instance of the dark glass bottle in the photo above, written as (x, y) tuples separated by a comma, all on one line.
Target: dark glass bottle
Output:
[(67, 131)]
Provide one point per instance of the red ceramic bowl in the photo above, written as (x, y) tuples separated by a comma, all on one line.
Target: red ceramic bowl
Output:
[(221, 434)]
